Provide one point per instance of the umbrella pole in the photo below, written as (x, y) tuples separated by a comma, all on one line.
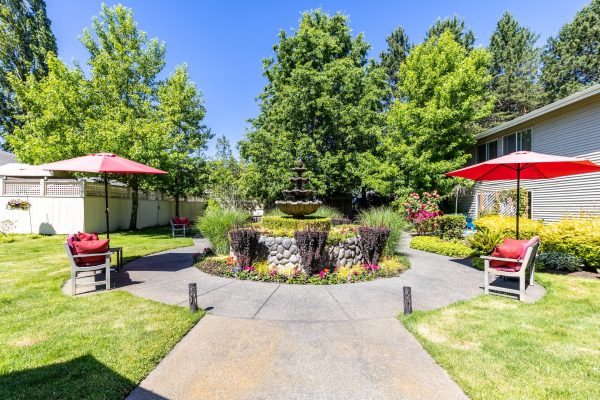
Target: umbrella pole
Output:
[(106, 204), (518, 196)]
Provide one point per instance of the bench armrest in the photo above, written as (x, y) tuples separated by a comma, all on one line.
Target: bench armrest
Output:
[(91, 255), (501, 259)]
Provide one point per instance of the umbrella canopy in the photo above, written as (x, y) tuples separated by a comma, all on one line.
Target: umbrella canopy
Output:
[(102, 163), (525, 165)]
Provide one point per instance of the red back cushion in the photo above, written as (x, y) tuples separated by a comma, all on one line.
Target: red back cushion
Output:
[(91, 247), (181, 221), (71, 239), (82, 236), (506, 251)]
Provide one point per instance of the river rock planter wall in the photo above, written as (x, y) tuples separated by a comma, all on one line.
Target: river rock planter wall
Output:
[(282, 252)]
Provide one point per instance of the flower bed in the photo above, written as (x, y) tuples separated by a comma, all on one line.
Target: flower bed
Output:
[(223, 266)]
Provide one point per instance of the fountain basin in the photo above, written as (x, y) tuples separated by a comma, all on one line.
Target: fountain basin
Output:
[(298, 208)]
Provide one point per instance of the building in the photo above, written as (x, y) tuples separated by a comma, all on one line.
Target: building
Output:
[(568, 127), (6, 157)]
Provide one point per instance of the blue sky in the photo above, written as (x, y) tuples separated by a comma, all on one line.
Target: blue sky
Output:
[(223, 42)]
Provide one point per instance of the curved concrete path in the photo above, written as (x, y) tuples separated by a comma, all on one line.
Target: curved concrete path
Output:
[(279, 341)]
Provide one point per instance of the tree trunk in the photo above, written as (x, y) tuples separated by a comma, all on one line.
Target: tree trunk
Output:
[(177, 205), (134, 207)]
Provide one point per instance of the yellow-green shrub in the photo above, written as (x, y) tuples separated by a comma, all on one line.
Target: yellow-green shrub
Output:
[(579, 237), (506, 225), (276, 222), (433, 244)]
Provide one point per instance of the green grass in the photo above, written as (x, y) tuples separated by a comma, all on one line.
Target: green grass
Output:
[(497, 348), (95, 347)]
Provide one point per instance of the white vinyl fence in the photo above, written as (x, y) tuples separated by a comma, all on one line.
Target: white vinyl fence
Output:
[(67, 206)]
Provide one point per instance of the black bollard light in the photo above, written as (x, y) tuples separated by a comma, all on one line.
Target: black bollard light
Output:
[(407, 300), (193, 297)]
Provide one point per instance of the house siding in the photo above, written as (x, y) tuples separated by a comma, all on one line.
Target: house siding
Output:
[(573, 133)]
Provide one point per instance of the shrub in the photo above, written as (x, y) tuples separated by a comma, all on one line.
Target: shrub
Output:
[(391, 266), (244, 243), (420, 210), (450, 226), (373, 242), (385, 217), (311, 246), (561, 261), (340, 233), (579, 237), (484, 240), (341, 221), (506, 225), (433, 244), (216, 224), (276, 222)]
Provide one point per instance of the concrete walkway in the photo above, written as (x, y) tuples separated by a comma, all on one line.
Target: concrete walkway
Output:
[(279, 341)]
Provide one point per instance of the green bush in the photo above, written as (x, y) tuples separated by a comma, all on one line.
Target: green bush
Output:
[(433, 244), (388, 218), (506, 225), (339, 233), (276, 222), (560, 261), (328, 212), (579, 237), (450, 226), (484, 241), (216, 224)]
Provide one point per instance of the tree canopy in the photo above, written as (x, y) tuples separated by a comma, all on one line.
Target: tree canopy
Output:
[(322, 103), (514, 69), (444, 94), (456, 25), (395, 54), (25, 40), (571, 60), (121, 108)]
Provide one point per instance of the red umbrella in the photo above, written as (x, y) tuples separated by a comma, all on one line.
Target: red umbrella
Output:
[(102, 163), (525, 165)]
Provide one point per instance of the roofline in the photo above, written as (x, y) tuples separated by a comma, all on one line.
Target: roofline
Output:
[(557, 105)]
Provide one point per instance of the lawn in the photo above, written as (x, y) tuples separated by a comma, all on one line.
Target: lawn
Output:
[(94, 347), (497, 348)]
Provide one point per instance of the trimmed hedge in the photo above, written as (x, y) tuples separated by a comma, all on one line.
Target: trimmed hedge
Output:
[(433, 244), (579, 237), (278, 223), (450, 226), (507, 226)]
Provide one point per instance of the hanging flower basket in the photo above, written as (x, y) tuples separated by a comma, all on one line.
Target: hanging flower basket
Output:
[(16, 204)]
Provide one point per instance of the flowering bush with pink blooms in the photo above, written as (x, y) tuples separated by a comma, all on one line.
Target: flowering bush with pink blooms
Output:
[(421, 210)]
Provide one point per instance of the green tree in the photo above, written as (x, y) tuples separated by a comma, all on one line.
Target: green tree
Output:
[(457, 26), (181, 111), (121, 108), (395, 54), (514, 68), (444, 95), (226, 181), (322, 103), (25, 40), (571, 60)]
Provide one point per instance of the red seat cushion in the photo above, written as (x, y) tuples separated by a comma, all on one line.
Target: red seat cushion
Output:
[(82, 236), (91, 247), (507, 251)]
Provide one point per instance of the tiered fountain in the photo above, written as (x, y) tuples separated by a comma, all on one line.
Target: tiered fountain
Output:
[(299, 202)]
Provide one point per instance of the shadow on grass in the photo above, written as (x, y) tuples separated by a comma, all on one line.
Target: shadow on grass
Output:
[(80, 378)]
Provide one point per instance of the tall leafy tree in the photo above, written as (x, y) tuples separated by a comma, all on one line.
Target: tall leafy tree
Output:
[(25, 40), (514, 68), (322, 103), (456, 25), (395, 54), (444, 93), (226, 181), (121, 108), (571, 60)]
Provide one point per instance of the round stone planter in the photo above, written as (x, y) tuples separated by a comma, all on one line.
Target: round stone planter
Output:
[(283, 253)]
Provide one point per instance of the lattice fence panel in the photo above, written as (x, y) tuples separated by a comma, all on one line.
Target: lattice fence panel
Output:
[(22, 189), (63, 189)]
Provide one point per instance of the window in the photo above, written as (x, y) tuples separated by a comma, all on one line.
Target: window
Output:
[(518, 141), (487, 151)]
